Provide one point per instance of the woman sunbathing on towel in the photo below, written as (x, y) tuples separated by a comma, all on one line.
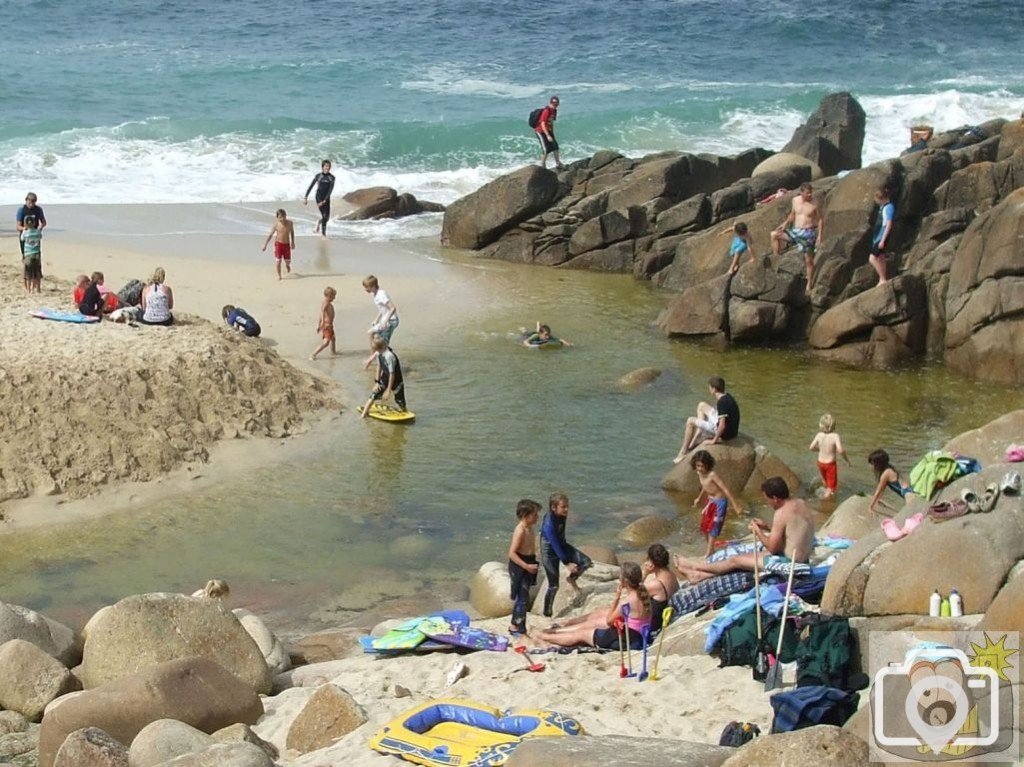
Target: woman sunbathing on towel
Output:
[(598, 628)]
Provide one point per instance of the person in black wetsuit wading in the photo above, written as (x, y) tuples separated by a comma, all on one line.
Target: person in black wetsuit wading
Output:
[(324, 183)]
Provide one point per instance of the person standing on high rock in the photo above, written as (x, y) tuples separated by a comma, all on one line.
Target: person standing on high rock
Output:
[(546, 133), (803, 227)]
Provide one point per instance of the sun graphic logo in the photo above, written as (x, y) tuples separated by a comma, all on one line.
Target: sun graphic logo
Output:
[(951, 697)]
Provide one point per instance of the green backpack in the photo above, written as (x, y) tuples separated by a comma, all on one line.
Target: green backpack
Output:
[(825, 656), (739, 642)]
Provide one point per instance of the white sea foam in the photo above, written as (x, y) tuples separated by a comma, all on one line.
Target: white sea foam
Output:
[(135, 162)]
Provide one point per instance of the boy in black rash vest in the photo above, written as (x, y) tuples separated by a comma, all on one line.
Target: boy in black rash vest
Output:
[(324, 183), (554, 549), (389, 377)]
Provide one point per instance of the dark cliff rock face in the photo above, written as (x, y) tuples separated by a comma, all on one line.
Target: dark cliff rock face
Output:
[(955, 259)]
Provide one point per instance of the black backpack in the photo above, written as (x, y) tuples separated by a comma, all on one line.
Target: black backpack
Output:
[(736, 734), (534, 119)]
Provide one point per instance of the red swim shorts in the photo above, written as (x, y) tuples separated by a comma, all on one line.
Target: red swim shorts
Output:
[(282, 250), (829, 474), (328, 333)]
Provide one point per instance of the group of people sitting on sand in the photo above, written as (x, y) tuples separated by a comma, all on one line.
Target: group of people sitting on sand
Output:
[(149, 304)]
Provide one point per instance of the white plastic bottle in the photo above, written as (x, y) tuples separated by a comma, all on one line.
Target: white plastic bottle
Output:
[(934, 604), (956, 604)]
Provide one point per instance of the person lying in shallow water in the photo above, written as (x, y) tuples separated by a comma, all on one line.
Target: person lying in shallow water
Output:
[(542, 337)]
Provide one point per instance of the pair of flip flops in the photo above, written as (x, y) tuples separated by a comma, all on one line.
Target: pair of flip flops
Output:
[(894, 532), (983, 503)]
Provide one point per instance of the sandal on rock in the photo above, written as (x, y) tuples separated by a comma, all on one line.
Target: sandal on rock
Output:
[(912, 523), (940, 512), (1011, 483), (891, 529), (988, 500), (971, 499)]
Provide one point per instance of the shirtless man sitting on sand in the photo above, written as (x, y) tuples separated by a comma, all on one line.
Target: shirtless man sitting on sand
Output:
[(791, 535), (803, 227)]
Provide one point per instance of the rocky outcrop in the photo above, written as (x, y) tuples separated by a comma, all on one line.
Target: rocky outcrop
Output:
[(144, 630), (985, 300), (833, 135), (51, 637), (380, 202), (741, 463), (194, 690), (881, 327), (485, 215), (977, 551), (30, 679)]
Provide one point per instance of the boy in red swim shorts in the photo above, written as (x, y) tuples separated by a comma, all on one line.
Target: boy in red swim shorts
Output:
[(283, 233), (829, 448)]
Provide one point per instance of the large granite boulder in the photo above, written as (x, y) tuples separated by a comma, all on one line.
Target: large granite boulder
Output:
[(384, 202), (224, 755), (988, 443), (331, 713), (91, 747), (981, 185), (617, 750), (767, 299), (30, 679), (852, 519), (974, 554), (193, 690), (833, 135), (144, 630), (638, 379), (802, 168), (741, 463), (1006, 613), (642, 532), (166, 739), (985, 299), (880, 327), (1011, 138), (481, 217), (51, 637), (490, 590), (698, 311), (329, 644), (270, 646), (820, 746)]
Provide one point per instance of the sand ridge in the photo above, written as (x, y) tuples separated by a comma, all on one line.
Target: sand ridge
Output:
[(89, 405)]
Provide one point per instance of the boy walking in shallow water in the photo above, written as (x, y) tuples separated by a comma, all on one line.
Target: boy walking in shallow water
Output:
[(711, 485), (325, 327), (522, 562), (829, 447), (283, 233)]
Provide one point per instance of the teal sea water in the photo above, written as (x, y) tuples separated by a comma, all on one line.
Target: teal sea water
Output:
[(127, 101)]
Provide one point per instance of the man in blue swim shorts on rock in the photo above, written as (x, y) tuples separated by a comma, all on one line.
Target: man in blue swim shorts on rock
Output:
[(803, 227)]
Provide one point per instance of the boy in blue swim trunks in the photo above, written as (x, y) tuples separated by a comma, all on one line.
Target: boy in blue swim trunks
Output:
[(803, 227), (718, 498), (740, 244)]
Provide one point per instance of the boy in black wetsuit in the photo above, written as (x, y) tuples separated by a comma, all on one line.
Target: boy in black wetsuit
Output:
[(389, 377), (324, 183), (555, 549)]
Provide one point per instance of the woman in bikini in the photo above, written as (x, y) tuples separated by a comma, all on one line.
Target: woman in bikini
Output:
[(887, 477), (598, 628), (659, 580)]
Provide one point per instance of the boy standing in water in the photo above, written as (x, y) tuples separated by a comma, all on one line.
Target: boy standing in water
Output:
[(522, 563), (32, 254), (325, 327), (386, 321), (324, 183), (284, 243), (829, 447), (389, 377), (555, 549), (718, 495)]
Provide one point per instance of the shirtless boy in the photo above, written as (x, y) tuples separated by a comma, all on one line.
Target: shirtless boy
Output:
[(283, 233), (803, 227), (325, 326), (522, 563), (791, 535), (829, 447)]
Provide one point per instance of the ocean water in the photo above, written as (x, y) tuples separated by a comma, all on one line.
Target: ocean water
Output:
[(117, 101)]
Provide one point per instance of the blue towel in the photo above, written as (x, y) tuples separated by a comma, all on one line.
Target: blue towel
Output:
[(808, 706)]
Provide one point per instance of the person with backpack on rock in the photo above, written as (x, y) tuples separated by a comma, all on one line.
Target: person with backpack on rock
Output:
[(543, 123)]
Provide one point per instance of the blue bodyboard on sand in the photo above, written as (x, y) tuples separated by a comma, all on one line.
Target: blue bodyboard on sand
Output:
[(406, 636), (58, 316)]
